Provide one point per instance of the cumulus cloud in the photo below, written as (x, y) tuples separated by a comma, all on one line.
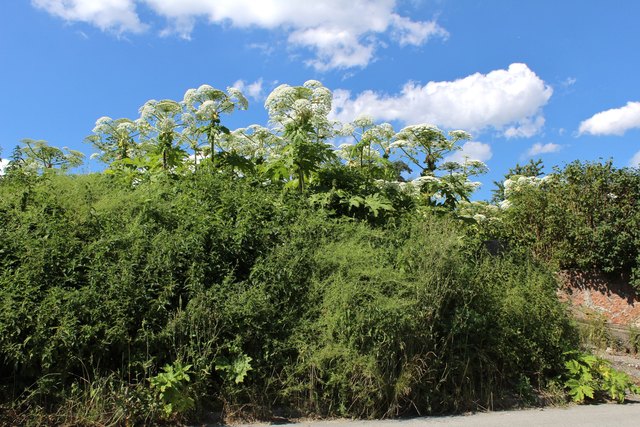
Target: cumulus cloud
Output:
[(615, 121), (508, 100), (635, 160), (251, 90), (409, 32), (340, 34), (471, 150), (525, 128), (539, 148), (109, 15)]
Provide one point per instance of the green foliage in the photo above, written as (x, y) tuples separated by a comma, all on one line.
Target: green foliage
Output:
[(267, 299), (349, 192), (234, 370), (360, 294), (300, 116), (583, 216), (594, 332), (533, 168), (396, 325), (171, 386), (580, 383), (40, 156), (634, 339), (302, 156), (592, 378)]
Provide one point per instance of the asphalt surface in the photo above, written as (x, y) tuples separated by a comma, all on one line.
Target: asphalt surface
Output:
[(605, 415)]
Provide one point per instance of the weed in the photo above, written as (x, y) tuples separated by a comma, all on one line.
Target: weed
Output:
[(592, 378), (172, 389)]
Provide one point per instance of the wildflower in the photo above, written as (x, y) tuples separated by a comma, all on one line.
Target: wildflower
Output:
[(190, 96), (479, 217), (207, 109), (103, 120), (126, 127), (505, 204), (203, 89), (459, 135)]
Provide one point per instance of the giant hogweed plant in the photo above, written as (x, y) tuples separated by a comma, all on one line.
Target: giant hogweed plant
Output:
[(172, 390), (590, 378), (300, 140), (204, 107)]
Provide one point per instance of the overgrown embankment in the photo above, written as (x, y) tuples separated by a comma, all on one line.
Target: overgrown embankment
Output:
[(207, 269), (249, 297)]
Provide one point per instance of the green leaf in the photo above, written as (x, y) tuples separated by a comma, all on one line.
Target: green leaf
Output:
[(235, 370), (377, 203), (578, 390)]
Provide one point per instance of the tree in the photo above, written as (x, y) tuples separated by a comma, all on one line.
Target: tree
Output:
[(584, 215)]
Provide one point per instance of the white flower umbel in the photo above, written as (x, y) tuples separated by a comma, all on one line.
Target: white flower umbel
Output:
[(425, 144), (293, 105), (204, 106), (115, 139)]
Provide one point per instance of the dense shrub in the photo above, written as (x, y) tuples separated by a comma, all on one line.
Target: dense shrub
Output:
[(403, 320), (585, 216), (230, 293)]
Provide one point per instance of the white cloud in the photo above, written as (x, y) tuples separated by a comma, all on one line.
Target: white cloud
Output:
[(112, 15), (635, 160), (340, 34), (252, 90), (539, 148), (525, 128), (3, 165), (409, 32), (508, 100), (615, 121), (471, 150), (334, 48)]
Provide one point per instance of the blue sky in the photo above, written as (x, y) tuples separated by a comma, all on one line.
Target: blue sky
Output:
[(556, 80)]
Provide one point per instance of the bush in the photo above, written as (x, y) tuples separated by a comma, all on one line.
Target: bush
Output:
[(585, 216), (402, 320), (269, 302)]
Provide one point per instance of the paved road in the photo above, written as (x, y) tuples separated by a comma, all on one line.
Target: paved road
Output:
[(627, 415)]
